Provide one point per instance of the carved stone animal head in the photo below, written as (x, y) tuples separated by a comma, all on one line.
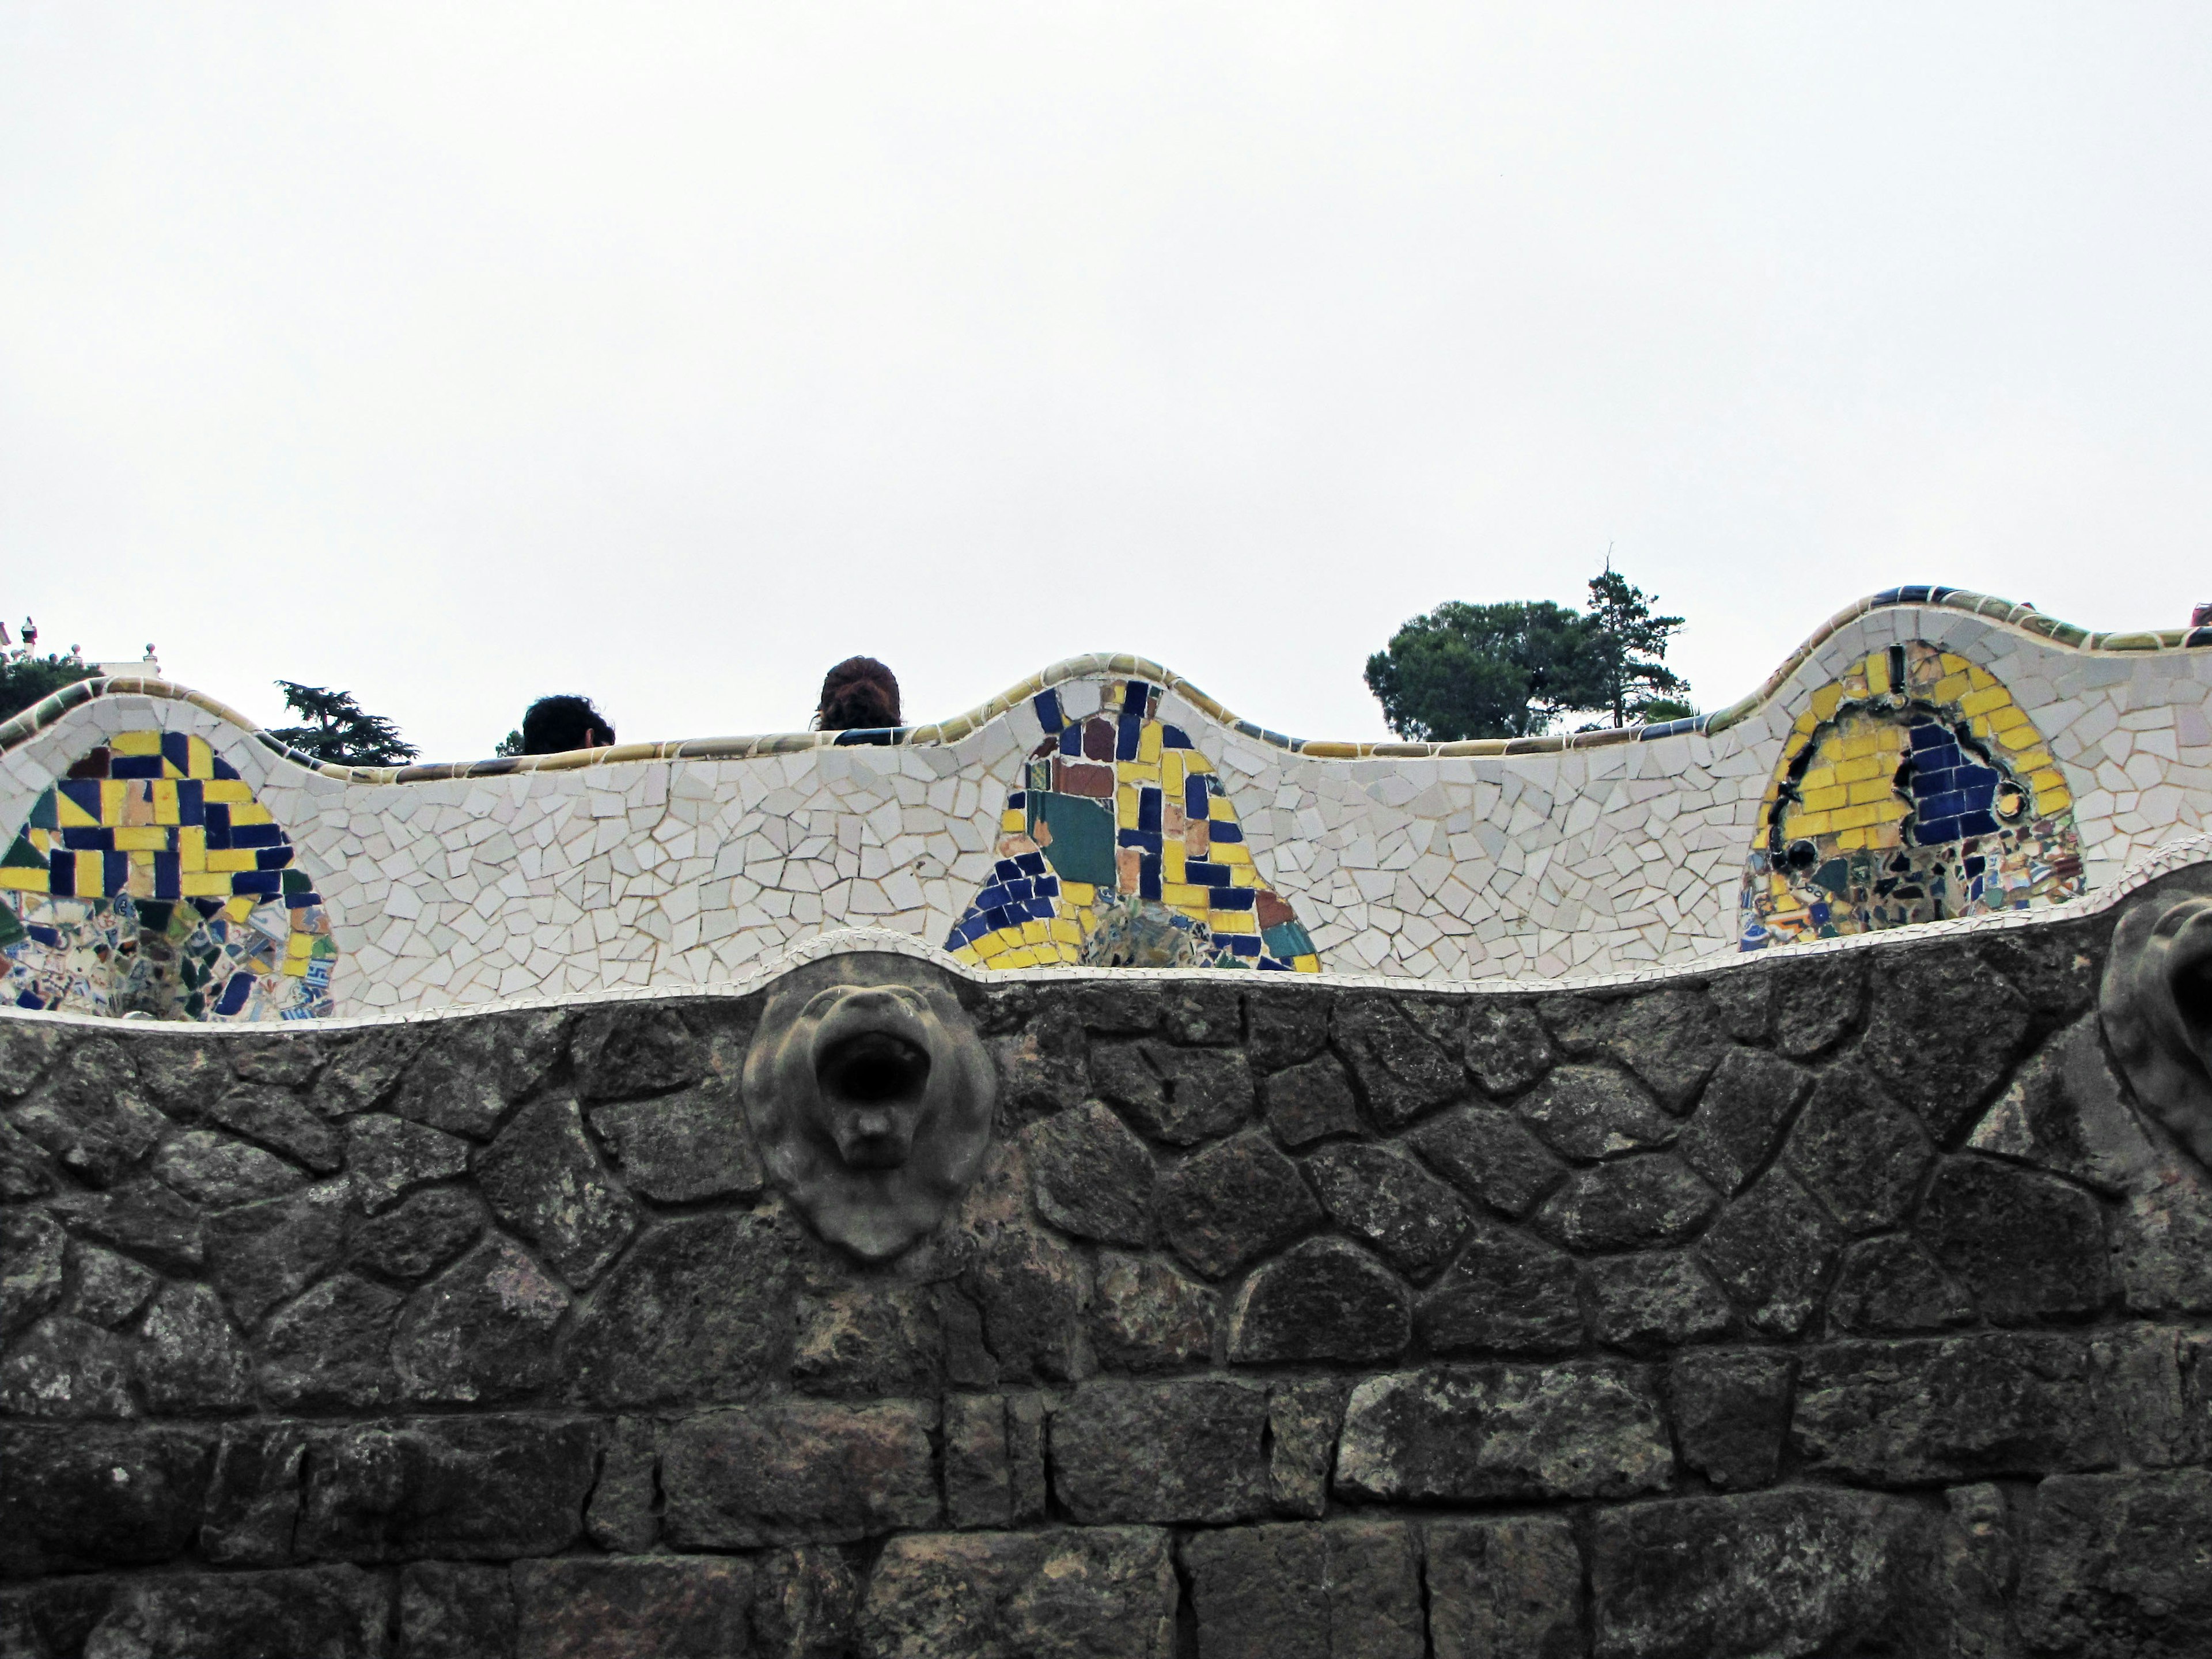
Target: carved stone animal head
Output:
[(871, 1097), (2156, 1008)]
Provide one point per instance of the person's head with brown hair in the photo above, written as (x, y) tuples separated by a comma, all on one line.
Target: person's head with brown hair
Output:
[(858, 694)]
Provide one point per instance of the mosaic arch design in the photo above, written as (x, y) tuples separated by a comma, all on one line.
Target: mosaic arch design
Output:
[(150, 881), (1913, 789), (1121, 849)]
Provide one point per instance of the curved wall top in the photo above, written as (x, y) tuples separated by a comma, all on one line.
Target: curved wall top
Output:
[(684, 862)]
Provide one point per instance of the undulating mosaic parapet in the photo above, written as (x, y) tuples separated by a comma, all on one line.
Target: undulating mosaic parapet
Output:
[(1913, 789), (1121, 848), (149, 881)]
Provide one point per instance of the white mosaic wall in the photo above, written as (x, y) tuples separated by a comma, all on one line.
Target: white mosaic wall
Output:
[(668, 872)]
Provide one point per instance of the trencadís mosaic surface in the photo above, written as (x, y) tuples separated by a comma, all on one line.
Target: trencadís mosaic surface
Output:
[(150, 881), (1121, 849), (687, 863), (1913, 789)]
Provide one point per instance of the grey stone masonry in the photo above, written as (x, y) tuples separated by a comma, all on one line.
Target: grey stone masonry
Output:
[(1718, 1316)]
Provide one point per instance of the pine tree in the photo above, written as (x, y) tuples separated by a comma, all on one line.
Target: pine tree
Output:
[(1628, 648), (342, 731), (1482, 670)]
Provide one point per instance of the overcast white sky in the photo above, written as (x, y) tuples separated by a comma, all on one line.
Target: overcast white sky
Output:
[(454, 354)]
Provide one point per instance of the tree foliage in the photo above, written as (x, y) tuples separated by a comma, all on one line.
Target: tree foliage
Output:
[(339, 730), (1511, 670), (1628, 650), (27, 679)]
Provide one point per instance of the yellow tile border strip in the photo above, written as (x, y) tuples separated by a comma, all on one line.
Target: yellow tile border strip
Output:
[(2026, 618)]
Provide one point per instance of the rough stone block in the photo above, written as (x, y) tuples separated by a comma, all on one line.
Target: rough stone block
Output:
[(1302, 1104), (1771, 1250), (1505, 1048), (1181, 1095), (330, 1348), (1200, 1014), (1147, 1316), (621, 1516), (682, 1147), (110, 1288), (266, 1254), (978, 1483), (33, 1251), (1506, 1294), (454, 1084), (1634, 1203), (1590, 1112), (1284, 1027), (1382, 1196), (449, 1611), (545, 1181), (1490, 1155), (1481, 1433), (699, 1311), (2064, 1114), (467, 1488), (2115, 1568), (652, 1606), (869, 1339), (1797, 1571), (1204, 1461), (1982, 1020), (387, 1156), (807, 1604), (626, 1050), (142, 1216), (1337, 1590), (90, 1115), (1731, 1413), (88, 1496), (2028, 1246), (1857, 1151), (276, 1118), (481, 1333), (1892, 1285), (1092, 1177), (252, 1509), (1322, 1299), (1507, 1588), (799, 1471), (1303, 1420), (329, 1613), (62, 1367), (1741, 1117), (1101, 1592), (1402, 1071), (1656, 1301), (1234, 1203), (1956, 1408), (1817, 999), (2162, 1241), (190, 1362), (424, 1232), (209, 1168), (1671, 1038)]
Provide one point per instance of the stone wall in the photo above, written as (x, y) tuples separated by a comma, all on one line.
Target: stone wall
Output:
[(1836, 1302), (685, 864)]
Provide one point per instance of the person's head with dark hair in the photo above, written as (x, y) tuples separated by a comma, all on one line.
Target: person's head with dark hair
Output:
[(858, 694), (554, 726)]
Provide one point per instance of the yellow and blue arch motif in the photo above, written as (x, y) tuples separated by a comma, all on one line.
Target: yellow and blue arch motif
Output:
[(150, 880), (1913, 789), (1120, 849)]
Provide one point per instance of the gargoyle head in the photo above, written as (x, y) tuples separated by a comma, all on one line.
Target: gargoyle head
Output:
[(2156, 1009), (871, 1097)]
